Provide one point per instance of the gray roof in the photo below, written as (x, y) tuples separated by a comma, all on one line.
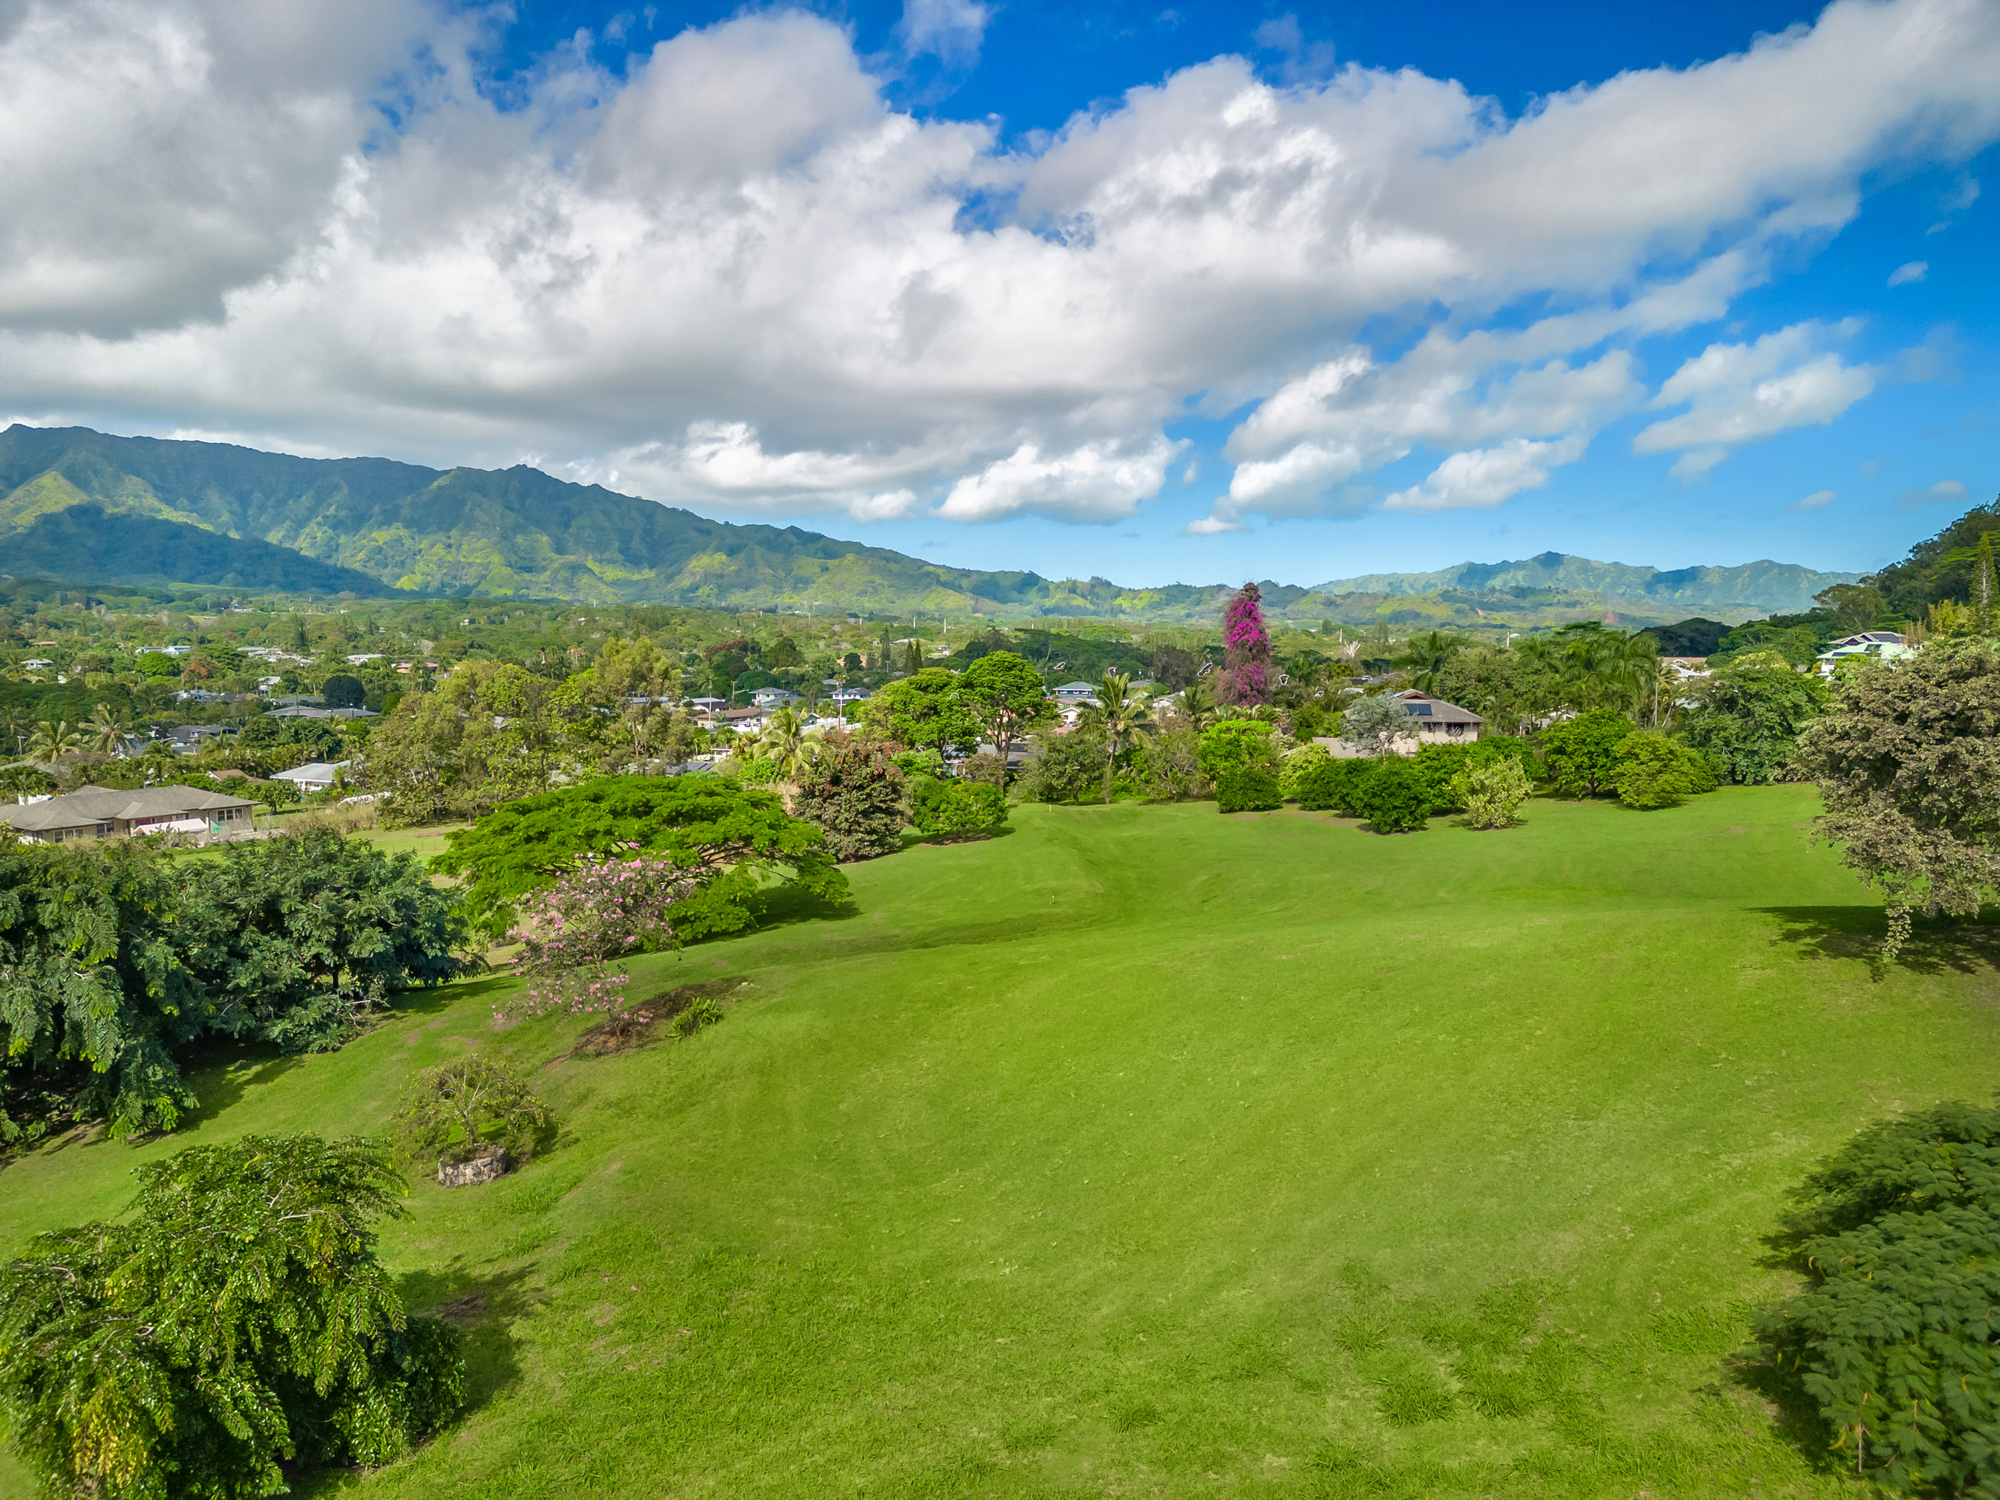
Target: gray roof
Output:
[(1435, 710), (316, 770), (90, 805)]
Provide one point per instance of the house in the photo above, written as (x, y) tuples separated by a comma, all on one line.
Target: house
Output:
[(1075, 692), (189, 738), (301, 711), (1432, 722), (95, 812), (314, 776), (1883, 645), (773, 697), (35, 664), (847, 695)]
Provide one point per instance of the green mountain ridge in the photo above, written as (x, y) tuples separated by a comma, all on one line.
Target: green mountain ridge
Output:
[(84, 542), (521, 533)]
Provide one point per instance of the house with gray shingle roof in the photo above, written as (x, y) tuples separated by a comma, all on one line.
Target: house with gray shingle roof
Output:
[(97, 812)]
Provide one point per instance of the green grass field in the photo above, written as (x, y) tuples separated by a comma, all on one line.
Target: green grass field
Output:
[(1143, 1151)]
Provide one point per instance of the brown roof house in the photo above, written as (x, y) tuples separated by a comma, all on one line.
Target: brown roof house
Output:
[(1432, 722), (96, 812)]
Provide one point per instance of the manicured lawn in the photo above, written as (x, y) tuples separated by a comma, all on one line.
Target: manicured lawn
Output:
[(1144, 1151)]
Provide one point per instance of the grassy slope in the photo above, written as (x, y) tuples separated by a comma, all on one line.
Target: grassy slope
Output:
[(1145, 1151)]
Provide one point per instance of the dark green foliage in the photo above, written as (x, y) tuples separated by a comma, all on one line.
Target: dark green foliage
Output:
[(955, 807), (729, 835), (1438, 766), (1653, 771), (1333, 786), (1894, 1338), (924, 711), (343, 690), (1313, 720), (1582, 751), (1691, 637), (453, 1111), (1066, 767), (1747, 721), (89, 974), (1247, 789), (84, 542), (316, 739), (296, 939), (1940, 568), (1391, 796), (854, 796), (238, 1320), (699, 1014)]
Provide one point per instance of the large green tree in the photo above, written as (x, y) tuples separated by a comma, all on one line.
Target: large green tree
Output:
[(853, 794), (1747, 720), (238, 1319), (729, 836), (1907, 759), (925, 711), (1004, 696), (1582, 751)]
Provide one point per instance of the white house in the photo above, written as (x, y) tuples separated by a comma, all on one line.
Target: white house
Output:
[(1432, 722), (314, 776), (1883, 645), (772, 697)]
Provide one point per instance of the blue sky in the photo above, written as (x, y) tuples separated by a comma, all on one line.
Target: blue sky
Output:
[(1194, 293)]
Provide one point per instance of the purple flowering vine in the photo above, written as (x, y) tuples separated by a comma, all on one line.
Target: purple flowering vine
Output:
[(1246, 677)]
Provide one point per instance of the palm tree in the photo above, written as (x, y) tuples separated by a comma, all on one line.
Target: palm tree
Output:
[(106, 731), (1198, 703), (1426, 656), (52, 740), (785, 740), (1124, 717)]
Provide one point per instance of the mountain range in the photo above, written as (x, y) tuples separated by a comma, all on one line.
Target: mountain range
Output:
[(216, 513)]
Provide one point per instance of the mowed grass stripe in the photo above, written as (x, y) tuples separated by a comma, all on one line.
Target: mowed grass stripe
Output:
[(1145, 1151)]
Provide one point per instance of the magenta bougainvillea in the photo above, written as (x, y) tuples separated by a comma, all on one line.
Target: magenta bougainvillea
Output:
[(575, 933), (1246, 678)]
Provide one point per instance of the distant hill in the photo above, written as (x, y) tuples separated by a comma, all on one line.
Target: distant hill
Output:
[(1766, 587), (83, 542), (521, 533)]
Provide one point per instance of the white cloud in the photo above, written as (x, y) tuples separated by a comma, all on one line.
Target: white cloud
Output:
[(735, 277), (1817, 500), (1945, 491), (1745, 393), (950, 30), (1484, 477), (1909, 271)]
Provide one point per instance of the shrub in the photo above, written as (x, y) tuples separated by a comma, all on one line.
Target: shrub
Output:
[(1167, 765), (1582, 752), (1066, 767), (601, 912), (1653, 771), (237, 1321), (452, 1112), (1247, 789), (1237, 742), (1333, 786), (701, 1012), (854, 796), (1491, 794), (1391, 796), (1300, 766), (1899, 1237), (1438, 767), (954, 809)]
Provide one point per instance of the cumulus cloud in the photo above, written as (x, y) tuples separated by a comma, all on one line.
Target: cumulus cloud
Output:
[(1909, 271), (1945, 491), (734, 276)]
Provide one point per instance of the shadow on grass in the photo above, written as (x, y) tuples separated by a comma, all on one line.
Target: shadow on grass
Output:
[(947, 840), (1944, 945), (482, 1307), (432, 1002), (785, 905)]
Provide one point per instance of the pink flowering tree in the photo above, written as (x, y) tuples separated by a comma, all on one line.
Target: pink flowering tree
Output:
[(576, 934), (1246, 678)]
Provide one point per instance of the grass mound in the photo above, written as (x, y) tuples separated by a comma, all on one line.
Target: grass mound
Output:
[(1150, 1152)]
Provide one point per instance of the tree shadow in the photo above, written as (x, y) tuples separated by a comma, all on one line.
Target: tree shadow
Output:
[(785, 905), (220, 1084), (482, 1307), (1944, 945), (443, 997), (1794, 1415), (947, 840)]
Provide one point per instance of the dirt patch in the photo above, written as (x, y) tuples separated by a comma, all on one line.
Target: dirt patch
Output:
[(467, 1309), (640, 1022)]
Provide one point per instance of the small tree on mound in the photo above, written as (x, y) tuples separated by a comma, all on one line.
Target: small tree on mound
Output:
[(237, 1321), (1653, 771), (462, 1109), (1391, 797)]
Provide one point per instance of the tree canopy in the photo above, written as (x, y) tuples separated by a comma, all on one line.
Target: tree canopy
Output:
[(727, 835), (924, 711)]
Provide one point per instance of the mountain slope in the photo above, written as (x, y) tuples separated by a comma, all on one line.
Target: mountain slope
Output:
[(84, 543), (522, 533)]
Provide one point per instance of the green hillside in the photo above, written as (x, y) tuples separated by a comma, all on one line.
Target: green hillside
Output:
[(520, 533), (85, 543)]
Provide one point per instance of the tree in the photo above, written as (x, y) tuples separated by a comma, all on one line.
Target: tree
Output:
[(54, 740), (854, 796), (1492, 794), (456, 1111), (276, 793), (343, 690), (488, 736), (297, 940), (788, 745), (1907, 760), (1231, 744), (1247, 788), (1746, 720), (1065, 766), (1898, 1237), (923, 711), (1246, 678), (954, 808), (107, 730), (1003, 694), (1168, 764), (1174, 667), (576, 932), (1652, 771), (1391, 796), (157, 664), (239, 1319), (1582, 751), (1425, 658), (1123, 718), (728, 837), (1372, 724)]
